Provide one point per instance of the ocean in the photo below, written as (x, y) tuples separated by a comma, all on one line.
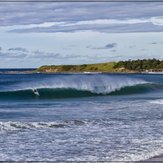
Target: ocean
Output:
[(80, 117)]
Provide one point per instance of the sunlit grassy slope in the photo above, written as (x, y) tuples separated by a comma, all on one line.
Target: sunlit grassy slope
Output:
[(101, 67)]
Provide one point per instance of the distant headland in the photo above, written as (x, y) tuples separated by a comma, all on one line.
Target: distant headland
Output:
[(130, 66)]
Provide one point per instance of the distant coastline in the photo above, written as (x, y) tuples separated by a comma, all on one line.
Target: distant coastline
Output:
[(18, 71), (130, 66), (148, 66)]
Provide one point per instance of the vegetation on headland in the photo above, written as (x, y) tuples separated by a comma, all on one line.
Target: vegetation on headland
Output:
[(121, 66), (141, 65), (101, 67)]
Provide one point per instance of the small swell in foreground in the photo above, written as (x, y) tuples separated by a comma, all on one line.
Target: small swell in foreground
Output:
[(18, 126)]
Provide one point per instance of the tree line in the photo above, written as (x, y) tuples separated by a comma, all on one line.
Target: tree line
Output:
[(140, 65)]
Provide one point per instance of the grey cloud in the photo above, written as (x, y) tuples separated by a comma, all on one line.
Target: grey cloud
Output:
[(41, 54), (20, 52), (12, 55), (18, 49), (156, 43), (108, 46), (71, 56), (29, 13), (147, 27), (16, 55), (70, 12)]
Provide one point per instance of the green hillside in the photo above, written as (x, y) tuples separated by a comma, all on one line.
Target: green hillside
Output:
[(101, 67), (121, 66)]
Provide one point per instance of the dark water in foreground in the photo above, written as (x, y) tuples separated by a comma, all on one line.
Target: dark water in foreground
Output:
[(74, 117)]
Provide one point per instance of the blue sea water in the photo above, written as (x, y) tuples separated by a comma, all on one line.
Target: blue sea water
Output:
[(80, 117)]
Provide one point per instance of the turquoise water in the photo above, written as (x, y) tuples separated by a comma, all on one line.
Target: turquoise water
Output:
[(80, 117)]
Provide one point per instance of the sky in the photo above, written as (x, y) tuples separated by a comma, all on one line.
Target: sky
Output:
[(33, 34)]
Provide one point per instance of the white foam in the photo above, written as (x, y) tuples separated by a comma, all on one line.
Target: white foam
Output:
[(96, 142), (93, 83), (144, 155), (159, 101), (12, 126)]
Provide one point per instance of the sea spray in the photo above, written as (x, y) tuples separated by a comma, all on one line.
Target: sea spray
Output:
[(93, 83)]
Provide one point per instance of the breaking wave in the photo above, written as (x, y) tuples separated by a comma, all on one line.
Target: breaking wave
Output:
[(75, 86)]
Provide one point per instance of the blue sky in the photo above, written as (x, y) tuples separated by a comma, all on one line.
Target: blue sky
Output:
[(38, 33)]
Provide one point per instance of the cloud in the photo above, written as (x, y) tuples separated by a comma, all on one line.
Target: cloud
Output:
[(31, 13), (42, 54), (72, 17), (83, 23), (101, 25), (156, 43), (110, 46), (12, 55), (18, 49), (157, 20), (107, 46), (20, 53)]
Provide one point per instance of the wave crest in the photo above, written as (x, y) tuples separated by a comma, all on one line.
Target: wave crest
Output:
[(69, 86)]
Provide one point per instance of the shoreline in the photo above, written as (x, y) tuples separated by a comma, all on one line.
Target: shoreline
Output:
[(18, 72), (158, 158), (72, 72), (13, 71)]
